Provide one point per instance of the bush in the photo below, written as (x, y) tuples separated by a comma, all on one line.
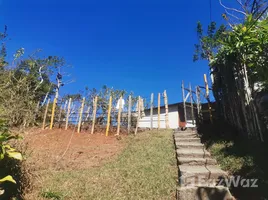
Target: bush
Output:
[(9, 160)]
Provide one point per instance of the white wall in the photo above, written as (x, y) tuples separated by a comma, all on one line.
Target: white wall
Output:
[(145, 122)]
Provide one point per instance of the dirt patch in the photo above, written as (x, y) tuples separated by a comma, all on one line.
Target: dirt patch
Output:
[(63, 150)]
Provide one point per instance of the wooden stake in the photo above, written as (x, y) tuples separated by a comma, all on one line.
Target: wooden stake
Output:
[(45, 115), (109, 116), (61, 109), (159, 99), (197, 93), (129, 114), (119, 116), (139, 115), (142, 107), (207, 97), (53, 112), (94, 114), (65, 105), (192, 105), (184, 102), (81, 116), (166, 107), (68, 113), (152, 110), (206, 85)]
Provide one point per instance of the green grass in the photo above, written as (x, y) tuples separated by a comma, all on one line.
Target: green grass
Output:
[(146, 169), (246, 159), (229, 161)]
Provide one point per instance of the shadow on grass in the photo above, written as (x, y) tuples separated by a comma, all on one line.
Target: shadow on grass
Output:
[(239, 156)]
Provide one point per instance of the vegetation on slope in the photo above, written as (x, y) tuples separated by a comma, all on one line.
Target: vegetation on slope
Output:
[(146, 169)]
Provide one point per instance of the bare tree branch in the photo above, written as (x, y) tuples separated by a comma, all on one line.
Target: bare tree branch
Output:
[(233, 9), (253, 6), (243, 5), (232, 15)]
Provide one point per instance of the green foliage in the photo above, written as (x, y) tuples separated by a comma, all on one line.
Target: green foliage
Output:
[(238, 59), (208, 44), (27, 84), (6, 151), (247, 44), (232, 163)]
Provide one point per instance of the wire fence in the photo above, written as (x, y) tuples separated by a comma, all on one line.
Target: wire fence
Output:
[(98, 114)]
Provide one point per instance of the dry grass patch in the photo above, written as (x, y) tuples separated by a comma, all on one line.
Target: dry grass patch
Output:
[(145, 169)]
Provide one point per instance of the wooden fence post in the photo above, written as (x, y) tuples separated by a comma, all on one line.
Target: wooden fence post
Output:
[(129, 114), (139, 115), (68, 113), (206, 85), (207, 97), (53, 112), (159, 99), (198, 100), (62, 108), (81, 116), (141, 107), (119, 116), (94, 114), (109, 116), (152, 110), (184, 102), (45, 115), (192, 105), (166, 107)]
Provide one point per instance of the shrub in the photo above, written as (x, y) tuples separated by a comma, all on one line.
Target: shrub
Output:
[(6, 153)]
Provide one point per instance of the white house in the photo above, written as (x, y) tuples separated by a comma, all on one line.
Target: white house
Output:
[(175, 117)]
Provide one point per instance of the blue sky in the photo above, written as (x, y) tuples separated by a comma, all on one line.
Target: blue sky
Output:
[(142, 46)]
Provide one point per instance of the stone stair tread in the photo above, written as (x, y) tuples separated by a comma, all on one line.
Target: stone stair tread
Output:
[(190, 146), (196, 161), (190, 175), (184, 135), (189, 143), (204, 193), (187, 139), (190, 152), (201, 169), (186, 131), (200, 175), (187, 136)]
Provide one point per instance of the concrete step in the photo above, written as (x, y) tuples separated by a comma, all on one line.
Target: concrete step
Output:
[(185, 135), (192, 153), (200, 175), (192, 145), (186, 131), (196, 161), (187, 139), (204, 193)]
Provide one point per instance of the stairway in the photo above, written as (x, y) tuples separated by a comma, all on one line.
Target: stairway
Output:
[(198, 171)]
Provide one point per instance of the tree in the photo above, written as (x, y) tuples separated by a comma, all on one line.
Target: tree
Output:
[(237, 58), (27, 83)]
